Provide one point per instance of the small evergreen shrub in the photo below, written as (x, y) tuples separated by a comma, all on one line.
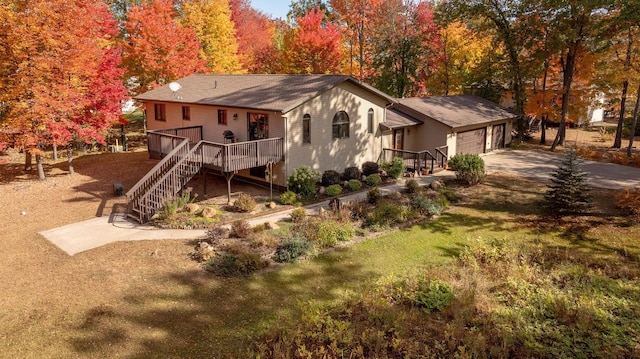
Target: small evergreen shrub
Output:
[(412, 186), (333, 190), (244, 203), (236, 264), (289, 197), (354, 185), (241, 228), (373, 179), (395, 168), (369, 168), (568, 192), (291, 249), (373, 196), (298, 215), (330, 177), (428, 206), (352, 173), (468, 167), (303, 181)]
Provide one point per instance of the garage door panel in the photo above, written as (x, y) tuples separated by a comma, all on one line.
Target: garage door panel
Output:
[(471, 141), (497, 136)]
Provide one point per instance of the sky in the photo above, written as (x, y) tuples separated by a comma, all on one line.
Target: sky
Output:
[(273, 8)]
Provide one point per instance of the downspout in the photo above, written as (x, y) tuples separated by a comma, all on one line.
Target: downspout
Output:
[(286, 152)]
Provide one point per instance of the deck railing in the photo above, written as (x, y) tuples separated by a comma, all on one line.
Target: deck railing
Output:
[(161, 142), (232, 157), (442, 154), (413, 160)]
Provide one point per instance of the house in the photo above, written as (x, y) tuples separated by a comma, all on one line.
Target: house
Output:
[(263, 127)]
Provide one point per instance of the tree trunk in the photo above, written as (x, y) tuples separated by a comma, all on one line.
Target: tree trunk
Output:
[(70, 159), (543, 129), (569, 68), (633, 125), (617, 142), (41, 175), (28, 157), (55, 152)]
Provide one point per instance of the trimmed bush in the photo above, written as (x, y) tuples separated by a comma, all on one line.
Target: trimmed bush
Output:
[(352, 173), (354, 185), (236, 264), (303, 181), (412, 186), (395, 168), (289, 197), (333, 190), (330, 177), (298, 215), (241, 228), (373, 196), (373, 179), (468, 167), (291, 249), (244, 203), (369, 168)]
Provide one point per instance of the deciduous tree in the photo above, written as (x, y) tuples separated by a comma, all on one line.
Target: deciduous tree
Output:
[(255, 34)]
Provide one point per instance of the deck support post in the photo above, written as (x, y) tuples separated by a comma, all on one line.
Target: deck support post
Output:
[(228, 176)]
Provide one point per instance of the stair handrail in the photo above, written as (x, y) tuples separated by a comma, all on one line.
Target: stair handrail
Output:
[(442, 155)]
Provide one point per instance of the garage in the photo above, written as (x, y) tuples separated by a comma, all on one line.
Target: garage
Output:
[(497, 136), (471, 141)]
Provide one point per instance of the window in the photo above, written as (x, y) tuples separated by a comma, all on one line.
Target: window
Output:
[(306, 129), (257, 126), (340, 126), (370, 121), (160, 111), (222, 117), (186, 113)]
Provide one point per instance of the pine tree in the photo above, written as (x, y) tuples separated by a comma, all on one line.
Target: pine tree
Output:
[(569, 192)]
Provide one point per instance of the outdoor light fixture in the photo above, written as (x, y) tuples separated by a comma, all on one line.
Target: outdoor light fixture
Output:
[(235, 116)]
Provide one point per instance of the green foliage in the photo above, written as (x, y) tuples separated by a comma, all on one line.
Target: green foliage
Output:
[(369, 168), (330, 177), (241, 228), (412, 186), (289, 197), (373, 179), (568, 192), (354, 185), (303, 181), (325, 233), (468, 167), (373, 196), (433, 296), (236, 264), (351, 173), (291, 249), (386, 215), (428, 205), (395, 168), (333, 190), (244, 203), (298, 215)]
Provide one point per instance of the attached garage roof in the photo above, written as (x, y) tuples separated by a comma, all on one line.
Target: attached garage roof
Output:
[(398, 119), (457, 111), (262, 92)]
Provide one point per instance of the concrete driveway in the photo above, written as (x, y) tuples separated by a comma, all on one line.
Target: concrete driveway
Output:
[(539, 165)]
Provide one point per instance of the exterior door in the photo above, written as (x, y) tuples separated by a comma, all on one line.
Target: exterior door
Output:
[(471, 141), (398, 139), (257, 126), (497, 137)]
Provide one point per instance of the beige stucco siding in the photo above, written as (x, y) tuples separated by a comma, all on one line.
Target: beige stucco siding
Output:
[(426, 136), (324, 152)]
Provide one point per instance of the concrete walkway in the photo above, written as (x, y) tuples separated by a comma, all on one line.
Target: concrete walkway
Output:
[(96, 232), (78, 237)]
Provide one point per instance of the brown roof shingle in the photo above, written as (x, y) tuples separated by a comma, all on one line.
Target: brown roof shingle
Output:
[(262, 92)]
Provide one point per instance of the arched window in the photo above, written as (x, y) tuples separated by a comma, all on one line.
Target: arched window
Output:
[(340, 125), (370, 121), (306, 128)]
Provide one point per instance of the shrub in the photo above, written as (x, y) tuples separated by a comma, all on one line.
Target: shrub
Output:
[(298, 215), (236, 264), (291, 249), (373, 179), (395, 168), (369, 168), (568, 192), (373, 196), (628, 201), (244, 203), (303, 181), (289, 197), (333, 190), (412, 186), (352, 173), (386, 215), (330, 177), (326, 233), (354, 185), (217, 233), (433, 296), (468, 167), (428, 206), (241, 228)]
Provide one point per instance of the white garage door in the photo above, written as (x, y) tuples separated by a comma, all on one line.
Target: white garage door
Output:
[(471, 141)]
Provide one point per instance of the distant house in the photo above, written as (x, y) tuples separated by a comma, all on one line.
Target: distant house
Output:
[(263, 127)]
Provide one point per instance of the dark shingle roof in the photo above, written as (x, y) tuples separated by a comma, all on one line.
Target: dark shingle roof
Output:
[(262, 92), (398, 119), (458, 111)]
